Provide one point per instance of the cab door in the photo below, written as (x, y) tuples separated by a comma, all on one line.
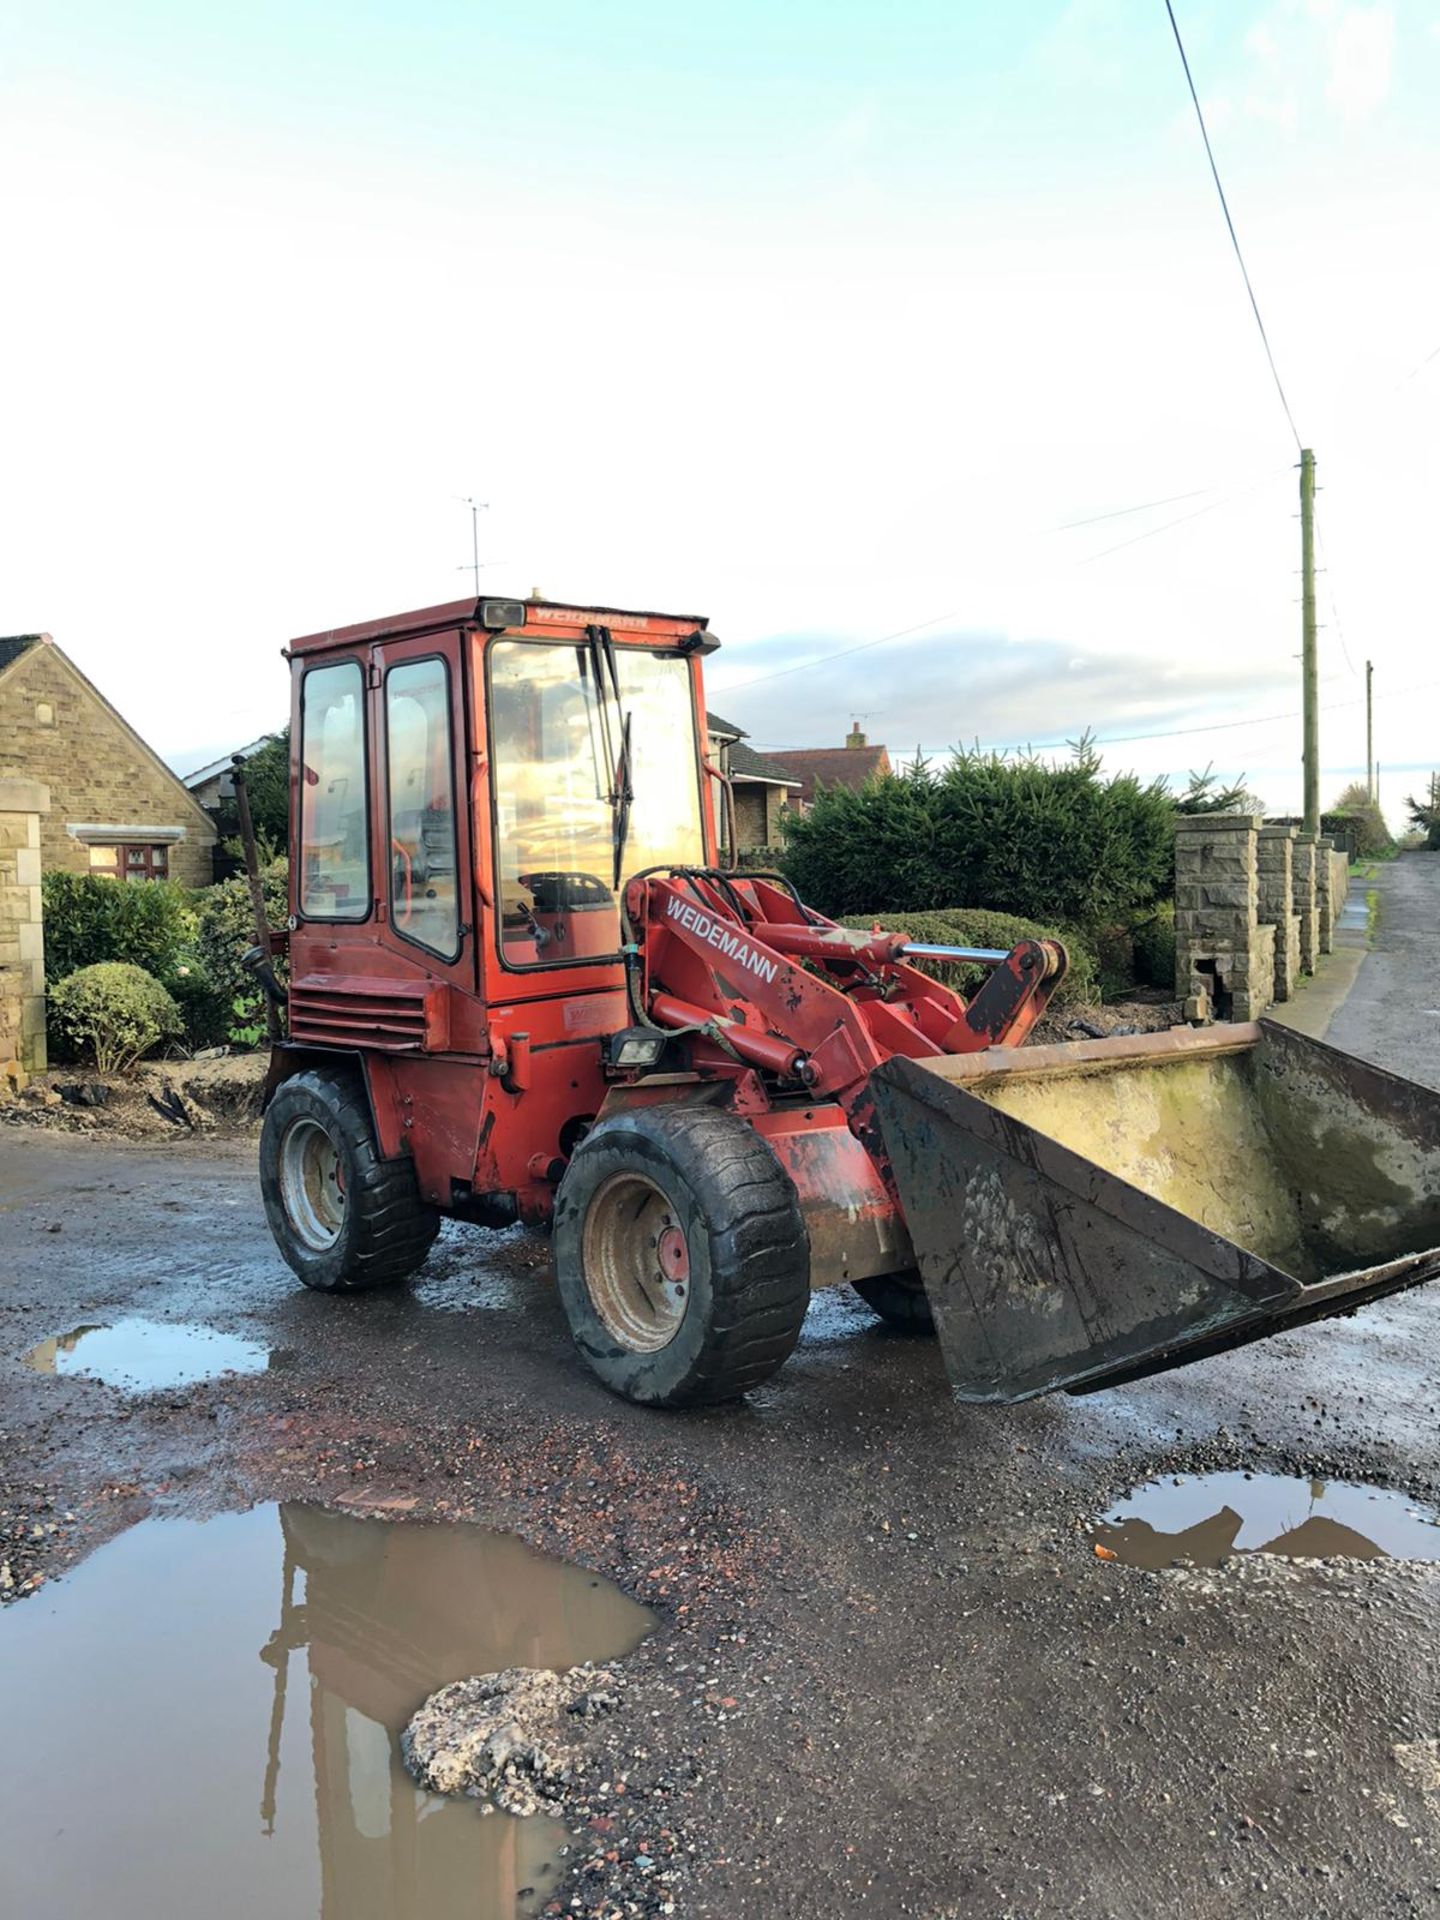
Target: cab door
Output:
[(426, 899)]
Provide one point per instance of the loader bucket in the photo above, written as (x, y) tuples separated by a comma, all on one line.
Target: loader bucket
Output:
[(1085, 1215)]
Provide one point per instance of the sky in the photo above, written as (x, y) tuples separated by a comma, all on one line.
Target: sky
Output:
[(859, 329)]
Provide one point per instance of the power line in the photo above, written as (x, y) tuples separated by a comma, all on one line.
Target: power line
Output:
[(825, 659), (1230, 224), (1330, 596), (1119, 513), (1171, 733)]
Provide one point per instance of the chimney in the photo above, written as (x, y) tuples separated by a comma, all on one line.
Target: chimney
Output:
[(855, 738)]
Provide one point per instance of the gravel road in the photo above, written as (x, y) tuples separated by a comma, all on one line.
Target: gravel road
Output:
[(890, 1675)]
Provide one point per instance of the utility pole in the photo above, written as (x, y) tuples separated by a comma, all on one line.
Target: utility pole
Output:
[(1372, 772), (1309, 658)]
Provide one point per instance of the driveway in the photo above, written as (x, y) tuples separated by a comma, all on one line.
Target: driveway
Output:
[(890, 1674)]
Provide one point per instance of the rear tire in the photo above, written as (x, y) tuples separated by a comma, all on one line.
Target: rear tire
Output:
[(900, 1300), (343, 1218), (681, 1256)]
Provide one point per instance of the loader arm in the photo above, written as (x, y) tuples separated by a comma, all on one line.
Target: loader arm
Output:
[(751, 973)]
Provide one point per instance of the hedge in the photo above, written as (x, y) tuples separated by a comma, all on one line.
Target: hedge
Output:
[(90, 920), (977, 927), (1018, 835)]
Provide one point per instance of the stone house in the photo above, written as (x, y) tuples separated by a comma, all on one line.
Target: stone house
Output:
[(214, 784), (115, 807), (763, 788), (848, 766)]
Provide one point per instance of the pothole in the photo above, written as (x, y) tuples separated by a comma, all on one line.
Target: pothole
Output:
[(206, 1718), (144, 1356), (1204, 1518)]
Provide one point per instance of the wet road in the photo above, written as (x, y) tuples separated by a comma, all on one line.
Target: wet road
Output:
[(1393, 1012), (890, 1675)]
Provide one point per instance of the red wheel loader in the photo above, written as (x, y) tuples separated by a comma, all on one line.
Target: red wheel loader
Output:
[(524, 985)]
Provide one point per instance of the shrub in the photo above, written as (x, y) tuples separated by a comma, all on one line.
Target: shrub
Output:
[(226, 930), (204, 1007), (114, 1011), (1367, 833), (1115, 959), (1048, 843), (975, 927), (227, 927), (1154, 939), (90, 920)]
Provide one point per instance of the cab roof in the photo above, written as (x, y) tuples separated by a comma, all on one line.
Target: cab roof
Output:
[(546, 614)]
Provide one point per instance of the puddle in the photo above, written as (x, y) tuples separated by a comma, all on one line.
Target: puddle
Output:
[(142, 1356), (203, 1719), (1206, 1517)]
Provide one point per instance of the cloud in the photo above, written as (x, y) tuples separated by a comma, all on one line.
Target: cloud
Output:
[(1361, 55), (959, 686)]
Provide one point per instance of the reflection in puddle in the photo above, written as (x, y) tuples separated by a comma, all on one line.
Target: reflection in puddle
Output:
[(143, 1356), (1208, 1516), (203, 1719)]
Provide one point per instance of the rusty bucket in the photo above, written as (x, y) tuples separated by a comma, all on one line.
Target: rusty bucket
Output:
[(1084, 1215)]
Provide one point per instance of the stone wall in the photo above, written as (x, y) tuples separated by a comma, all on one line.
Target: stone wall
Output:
[(1224, 952), (55, 728), (1303, 863), (23, 806), (1276, 904)]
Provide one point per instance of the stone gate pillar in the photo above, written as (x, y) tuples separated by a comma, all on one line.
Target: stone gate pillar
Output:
[(1303, 865), (1224, 951), (1275, 867), (22, 950), (1327, 908)]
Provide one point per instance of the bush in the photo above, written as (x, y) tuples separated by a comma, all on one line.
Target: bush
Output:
[(1154, 940), (204, 1007), (226, 930), (115, 1012), (975, 927), (227, 927), (1047, 843), (90, 920), (1115, 958), (1362, 821)]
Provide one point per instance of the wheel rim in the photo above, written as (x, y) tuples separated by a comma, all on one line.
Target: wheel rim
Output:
[(312, 1184), (637, 1262)]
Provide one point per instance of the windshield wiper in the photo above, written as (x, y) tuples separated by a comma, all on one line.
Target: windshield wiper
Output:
[(621, 796)]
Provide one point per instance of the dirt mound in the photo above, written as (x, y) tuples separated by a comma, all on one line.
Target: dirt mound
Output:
[(220, 1093), (509, 1739)]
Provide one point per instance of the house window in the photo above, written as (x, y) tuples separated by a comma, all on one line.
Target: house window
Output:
[(130, 860), (335, 825)]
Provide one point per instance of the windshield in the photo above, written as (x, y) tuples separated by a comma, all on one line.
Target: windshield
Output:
[(555, 752)]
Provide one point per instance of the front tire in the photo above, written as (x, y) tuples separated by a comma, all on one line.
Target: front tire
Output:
[(681, 1256), (343, 1218)]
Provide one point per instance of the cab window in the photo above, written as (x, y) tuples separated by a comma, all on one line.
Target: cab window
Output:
[(556, 739), (334, 799), (424, 890)]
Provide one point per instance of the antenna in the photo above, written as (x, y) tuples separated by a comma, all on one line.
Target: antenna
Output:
[(477, 507)]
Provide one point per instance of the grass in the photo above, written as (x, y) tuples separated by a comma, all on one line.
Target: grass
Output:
[(1372, 913)]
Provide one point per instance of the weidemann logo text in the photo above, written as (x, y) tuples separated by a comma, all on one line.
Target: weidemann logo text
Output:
[(733, 945)]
